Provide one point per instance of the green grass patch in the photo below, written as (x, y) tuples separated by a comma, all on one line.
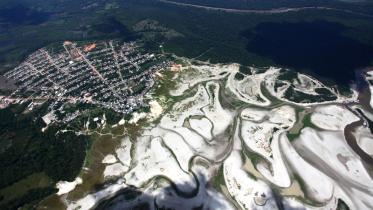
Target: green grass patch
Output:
[(218, 179)]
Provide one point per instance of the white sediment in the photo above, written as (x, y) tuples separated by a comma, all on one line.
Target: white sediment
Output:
[(153, 159), (115, 168), (332, 117), (364, 139), (66, 187), (247, 192), (318, 186), (331, 147), (194, 139), (90, 200), (305, 84), (202, 126), (109, 159)]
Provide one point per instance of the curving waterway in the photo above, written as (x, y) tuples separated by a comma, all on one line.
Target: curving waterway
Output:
[(268, 11), (364, 101)]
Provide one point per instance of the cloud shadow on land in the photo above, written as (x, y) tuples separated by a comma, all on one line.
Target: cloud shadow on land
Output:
[(166, 198)]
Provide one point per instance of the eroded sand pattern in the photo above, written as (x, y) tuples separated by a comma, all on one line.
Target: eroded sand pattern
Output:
[(223, 143)]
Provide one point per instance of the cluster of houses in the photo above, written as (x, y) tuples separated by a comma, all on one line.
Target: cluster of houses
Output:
[(109, 74)]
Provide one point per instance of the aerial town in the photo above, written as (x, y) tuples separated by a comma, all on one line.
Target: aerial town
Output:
[(111, 75)]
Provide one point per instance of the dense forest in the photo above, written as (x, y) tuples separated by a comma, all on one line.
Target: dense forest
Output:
[(26, 150), (41, 23)]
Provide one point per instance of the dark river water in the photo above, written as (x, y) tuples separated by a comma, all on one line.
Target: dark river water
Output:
[(364, 100), (319, 47)]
